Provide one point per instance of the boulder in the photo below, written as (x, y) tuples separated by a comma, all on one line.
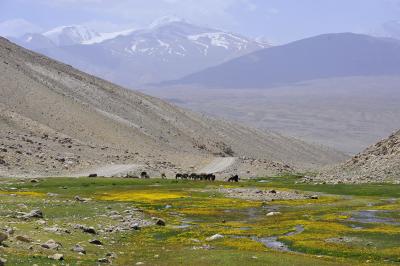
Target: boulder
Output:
[(104, 260), (273, 214), (214, 237), (56, 257), (3, 237), (96, 242), (51, 244), (89, 230), (160, 222), (79, 249), (33, 214)]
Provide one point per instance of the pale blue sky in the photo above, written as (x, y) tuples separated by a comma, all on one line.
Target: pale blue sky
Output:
[(277, 20)]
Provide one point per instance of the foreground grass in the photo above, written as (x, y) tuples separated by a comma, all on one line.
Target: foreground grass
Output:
[(194, 211)]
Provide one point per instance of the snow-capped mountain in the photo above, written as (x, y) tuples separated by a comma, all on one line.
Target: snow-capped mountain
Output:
[(35, 41), (179, 38), (169, 48), (70, 35)]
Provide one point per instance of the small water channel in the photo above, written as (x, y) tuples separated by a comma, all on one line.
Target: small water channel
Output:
[(372, 216), (273, 241)]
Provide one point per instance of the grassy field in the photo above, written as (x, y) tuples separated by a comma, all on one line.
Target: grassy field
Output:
[(347, 225)]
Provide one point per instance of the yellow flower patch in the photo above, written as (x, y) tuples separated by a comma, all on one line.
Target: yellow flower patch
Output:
[(146, 196), (243, 244), (200, 211), (24, 193)]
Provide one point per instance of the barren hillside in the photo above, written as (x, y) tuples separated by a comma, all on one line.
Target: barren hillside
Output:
[(56, 120), (378, 163)]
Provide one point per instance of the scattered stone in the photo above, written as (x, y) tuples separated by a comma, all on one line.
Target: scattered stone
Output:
[(77, 198), (214, 237), (51, 244), (96, 242), (2, 262), (116, 217), (3, 237), (56, 230), (315, 197), (93, 175), (160, 222), (79, 249), (104, 260), (140, 263), (135, 226), (89, 230), (273, 214), (260, 195), (9, 231), (111, 255), (33, 214), (24, 239), (41, 222), (56, 257), (34, 181)]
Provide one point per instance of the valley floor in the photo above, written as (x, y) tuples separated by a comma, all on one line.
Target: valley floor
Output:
[(269, 221)]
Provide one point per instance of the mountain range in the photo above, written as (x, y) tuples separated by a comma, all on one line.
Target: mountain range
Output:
[(170, 48), (321, 57)]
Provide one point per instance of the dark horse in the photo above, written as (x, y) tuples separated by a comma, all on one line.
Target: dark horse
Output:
[(234, 178), (144, 175), (194, 176)]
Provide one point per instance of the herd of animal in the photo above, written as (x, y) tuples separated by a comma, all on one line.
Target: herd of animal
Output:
[(195, 177), (201, 177), (204, 177)]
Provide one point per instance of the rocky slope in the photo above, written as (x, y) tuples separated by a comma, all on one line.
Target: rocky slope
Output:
[(57, 120), (378, 163)]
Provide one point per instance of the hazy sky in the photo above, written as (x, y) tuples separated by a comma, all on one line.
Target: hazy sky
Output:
[(277, 20)]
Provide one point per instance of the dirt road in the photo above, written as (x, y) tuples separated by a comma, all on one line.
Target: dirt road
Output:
[(111, 170), (218, 165)]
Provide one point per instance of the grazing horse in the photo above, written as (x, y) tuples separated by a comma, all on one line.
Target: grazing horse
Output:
[(211, 177), (144, 175), (181, 176), (194, 176), (234, 178)]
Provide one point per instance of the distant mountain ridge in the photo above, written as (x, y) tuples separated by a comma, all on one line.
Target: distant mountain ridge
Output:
[(170, 48), (320, 57)]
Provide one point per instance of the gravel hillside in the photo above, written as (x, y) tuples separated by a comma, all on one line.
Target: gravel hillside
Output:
[(56, 120), (378, 163)]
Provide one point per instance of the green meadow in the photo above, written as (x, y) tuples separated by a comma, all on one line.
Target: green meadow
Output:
[(346, 225)]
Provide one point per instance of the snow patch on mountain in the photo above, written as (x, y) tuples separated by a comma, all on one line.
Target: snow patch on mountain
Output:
[(108, 36), (165, 20), (70, 35)]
